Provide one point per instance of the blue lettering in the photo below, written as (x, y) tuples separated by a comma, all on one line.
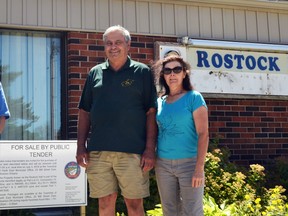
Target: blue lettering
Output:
[(272, 63), (217, 60), (250, 62), (202, 58), (261, 67), (239, 63), (228, 61)]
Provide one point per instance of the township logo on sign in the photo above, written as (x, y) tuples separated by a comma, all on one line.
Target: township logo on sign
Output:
[(72, 170)]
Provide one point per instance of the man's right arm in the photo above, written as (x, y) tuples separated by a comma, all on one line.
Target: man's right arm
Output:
[(82, 135)]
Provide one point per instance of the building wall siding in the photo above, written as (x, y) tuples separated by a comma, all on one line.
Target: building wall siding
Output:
[(164, 18), (254, 130)]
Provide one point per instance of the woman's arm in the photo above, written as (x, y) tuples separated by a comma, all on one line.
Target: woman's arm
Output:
[(201, 123)]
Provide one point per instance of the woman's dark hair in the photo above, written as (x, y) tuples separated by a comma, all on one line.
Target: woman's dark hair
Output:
[(161, 84)]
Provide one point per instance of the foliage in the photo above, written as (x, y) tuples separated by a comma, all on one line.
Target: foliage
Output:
[(154, 198), (250, 206), (221, 184), (211, 208), (155, 212), (279, 172), (232, 190)]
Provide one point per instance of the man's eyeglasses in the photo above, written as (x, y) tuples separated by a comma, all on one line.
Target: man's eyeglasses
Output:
[(176, 70)]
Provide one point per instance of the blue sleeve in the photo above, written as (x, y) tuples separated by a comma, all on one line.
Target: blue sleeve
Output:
[(197, 100), (4, 111)]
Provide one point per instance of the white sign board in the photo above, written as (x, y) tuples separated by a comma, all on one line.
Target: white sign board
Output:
[(37, 174), (235, 71)]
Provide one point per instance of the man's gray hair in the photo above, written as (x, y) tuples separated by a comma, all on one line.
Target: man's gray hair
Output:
[(124, 31)]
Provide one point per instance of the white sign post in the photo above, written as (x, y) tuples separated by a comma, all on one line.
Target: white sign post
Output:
[(37, 174)]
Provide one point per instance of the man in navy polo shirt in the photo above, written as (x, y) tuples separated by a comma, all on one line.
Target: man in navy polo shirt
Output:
[(118, 102)]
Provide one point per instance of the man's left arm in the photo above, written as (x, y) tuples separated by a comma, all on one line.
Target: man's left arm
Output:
[(148, 157)]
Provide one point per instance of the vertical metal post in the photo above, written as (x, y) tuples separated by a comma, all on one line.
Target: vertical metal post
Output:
[(82, 210)]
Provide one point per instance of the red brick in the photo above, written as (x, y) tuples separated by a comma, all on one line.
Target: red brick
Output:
[(275, 146), (77, 35), (266, 109), (77, 47), (239, 130), (77, 70), (97, 36), (76, 81), (87, 64), (146, 50), (223, 108), (269, 151), (239, 119), (87, 41), (87, 53)]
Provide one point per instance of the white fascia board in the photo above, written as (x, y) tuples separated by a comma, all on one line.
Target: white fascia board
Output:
[(235, 45), (268, 4)]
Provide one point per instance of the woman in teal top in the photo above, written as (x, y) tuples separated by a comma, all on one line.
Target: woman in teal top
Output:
[(182, 119)]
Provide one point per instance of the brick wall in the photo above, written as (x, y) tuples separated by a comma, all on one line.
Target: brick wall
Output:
[(256, 131)]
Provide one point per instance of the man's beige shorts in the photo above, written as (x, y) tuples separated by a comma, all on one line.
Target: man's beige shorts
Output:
[(108, 170)]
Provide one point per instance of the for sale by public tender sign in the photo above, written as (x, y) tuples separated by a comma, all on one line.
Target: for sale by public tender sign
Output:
[(37, 174)]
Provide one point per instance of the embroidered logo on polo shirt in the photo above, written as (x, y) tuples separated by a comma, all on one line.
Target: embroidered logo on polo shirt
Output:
[(127, 83)]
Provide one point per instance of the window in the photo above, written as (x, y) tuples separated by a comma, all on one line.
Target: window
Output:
[(30, 72)]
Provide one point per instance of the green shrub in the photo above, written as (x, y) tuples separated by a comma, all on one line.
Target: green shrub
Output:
[(279, 172), (233, 190), (223, 181)]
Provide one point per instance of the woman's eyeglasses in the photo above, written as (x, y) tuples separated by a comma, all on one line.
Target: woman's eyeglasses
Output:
[(175, 70)]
